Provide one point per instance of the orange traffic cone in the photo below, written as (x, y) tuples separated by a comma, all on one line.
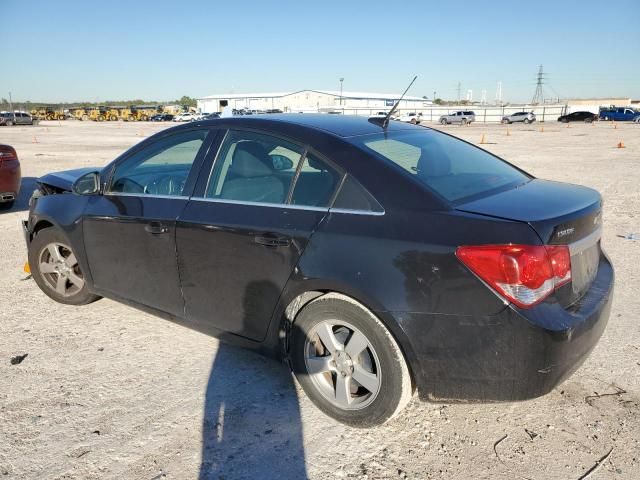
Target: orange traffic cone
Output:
[(482, 140), (541, 129), (620, 144)]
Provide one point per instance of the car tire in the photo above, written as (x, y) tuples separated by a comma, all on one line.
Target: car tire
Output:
[(588, 120), (62, 280), (414, 121), (6, 205), (527, 121), (443, 122), (9, 123), (333, 380), (464, 121)]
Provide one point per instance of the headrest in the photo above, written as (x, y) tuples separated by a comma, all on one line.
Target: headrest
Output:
[(316, 164), (251, 160), (433, 164)]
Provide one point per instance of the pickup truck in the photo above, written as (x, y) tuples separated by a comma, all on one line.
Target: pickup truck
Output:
[(621, 114), (462, 117)]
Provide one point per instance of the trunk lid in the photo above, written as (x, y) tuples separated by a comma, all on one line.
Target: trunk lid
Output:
[(561, 214)]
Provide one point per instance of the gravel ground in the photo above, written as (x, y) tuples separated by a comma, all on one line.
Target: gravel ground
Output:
[(109, 392)]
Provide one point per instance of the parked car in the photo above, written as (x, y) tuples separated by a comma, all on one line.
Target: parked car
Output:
[(620, 114), (184, 117), (375, 258), (161, 117), (462, 117), (15, 118), (274, 110), (210, 116), (10, 177), (411, 117), (525, 117), (586, 117)]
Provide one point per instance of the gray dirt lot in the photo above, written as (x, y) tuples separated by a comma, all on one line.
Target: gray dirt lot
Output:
[(109, 392)]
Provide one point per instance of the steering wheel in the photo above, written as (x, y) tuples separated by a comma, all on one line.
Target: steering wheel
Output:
[(165, 185), (127, 185)]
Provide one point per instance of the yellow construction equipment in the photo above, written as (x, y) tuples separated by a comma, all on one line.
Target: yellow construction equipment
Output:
[(48, 113), (97, 114)]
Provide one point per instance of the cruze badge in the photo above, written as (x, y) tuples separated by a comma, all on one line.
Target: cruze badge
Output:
[(565, 232)]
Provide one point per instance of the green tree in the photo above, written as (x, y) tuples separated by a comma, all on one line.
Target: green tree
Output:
[(188, 101)]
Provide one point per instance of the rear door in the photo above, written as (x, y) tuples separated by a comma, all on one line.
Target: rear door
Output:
[(129, 231), (240, 238)]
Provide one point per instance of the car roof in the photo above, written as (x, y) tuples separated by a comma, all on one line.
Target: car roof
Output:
[(339, 125)]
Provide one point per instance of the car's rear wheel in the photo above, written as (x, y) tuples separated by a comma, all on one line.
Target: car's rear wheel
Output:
[(55, 269), (443, 122), (9, 123), (348, 363)]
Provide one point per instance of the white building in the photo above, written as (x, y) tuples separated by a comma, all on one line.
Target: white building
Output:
[(311, 101)]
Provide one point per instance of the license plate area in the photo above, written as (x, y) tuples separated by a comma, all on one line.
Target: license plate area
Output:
[(584, 268)]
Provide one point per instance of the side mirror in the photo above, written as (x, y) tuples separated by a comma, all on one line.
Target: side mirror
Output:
[(280, 162), (87, 184)]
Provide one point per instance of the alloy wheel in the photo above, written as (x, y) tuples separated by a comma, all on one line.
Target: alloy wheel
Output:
[(59, 268), (342, 364)]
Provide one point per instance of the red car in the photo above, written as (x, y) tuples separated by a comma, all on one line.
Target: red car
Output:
[(10, 176)]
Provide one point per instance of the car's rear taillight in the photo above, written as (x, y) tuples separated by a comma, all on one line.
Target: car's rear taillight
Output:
[(523, 274), (7, 153)]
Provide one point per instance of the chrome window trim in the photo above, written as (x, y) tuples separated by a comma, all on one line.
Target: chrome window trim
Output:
[(581, 245), (357, 212), (286, 205), (260, 204), (143, 195)]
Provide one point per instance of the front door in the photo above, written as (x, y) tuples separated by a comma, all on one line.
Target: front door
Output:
[(238, 243), (129, 231)]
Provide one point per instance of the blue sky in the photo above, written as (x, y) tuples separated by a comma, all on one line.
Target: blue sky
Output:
[(155, 49)]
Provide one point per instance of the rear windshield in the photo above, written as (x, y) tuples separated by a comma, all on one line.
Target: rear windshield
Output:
[(450, 167)]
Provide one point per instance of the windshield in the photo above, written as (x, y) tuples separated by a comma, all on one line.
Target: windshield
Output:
[(452, 168)]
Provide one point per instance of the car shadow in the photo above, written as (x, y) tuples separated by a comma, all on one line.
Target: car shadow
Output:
[(252, 427), (27, 186)]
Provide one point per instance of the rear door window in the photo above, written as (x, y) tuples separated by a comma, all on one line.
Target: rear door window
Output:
[(453, 169), (254, 167), (316, 183)]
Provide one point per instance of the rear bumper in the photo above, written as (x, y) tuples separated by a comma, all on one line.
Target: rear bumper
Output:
[(514, 355)]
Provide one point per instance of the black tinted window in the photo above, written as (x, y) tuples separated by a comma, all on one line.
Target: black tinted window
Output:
[(316, 183), (161, 168), (353, 196), (254, 167), (452, 168)]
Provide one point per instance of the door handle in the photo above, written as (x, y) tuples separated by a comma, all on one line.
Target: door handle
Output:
[(272, 240), (156, 228)]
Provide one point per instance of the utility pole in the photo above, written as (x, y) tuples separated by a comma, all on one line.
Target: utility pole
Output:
[(341, 80), (10, 103), (538, 97), (499, 94), (459, 88)]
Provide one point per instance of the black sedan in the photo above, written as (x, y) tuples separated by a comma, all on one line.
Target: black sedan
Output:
[(586, 117), (161, 117), (377, 259)]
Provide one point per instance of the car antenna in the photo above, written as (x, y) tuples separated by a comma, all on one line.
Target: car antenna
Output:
[(385, 122)]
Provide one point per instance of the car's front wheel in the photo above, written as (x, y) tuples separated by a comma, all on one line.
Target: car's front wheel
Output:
[(348, 363), (55, 269)]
